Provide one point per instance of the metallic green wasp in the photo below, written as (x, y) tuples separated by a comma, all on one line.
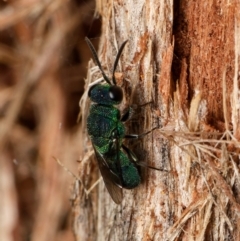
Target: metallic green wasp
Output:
[(105, 126)]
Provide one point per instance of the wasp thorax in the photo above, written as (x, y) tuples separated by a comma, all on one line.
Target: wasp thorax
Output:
[(106, 94)]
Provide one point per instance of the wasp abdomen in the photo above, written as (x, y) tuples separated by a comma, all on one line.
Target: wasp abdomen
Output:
[(129, 172)]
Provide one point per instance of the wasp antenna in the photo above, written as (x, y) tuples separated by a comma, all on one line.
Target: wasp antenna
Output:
[(116, 60), (94, 53)]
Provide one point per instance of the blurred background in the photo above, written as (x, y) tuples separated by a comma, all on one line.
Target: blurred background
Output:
[(43, 63)]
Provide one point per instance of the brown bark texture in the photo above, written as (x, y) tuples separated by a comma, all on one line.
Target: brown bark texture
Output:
[(183, 57)]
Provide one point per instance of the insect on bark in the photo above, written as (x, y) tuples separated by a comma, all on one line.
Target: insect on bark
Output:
[(105, 126)]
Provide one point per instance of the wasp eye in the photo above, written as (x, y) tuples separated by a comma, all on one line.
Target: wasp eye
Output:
[(115, 93)]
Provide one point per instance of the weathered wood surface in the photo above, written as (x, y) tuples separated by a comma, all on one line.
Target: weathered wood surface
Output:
[(195, 100)]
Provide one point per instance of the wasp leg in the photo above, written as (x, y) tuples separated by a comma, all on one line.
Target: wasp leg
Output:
[(134, 159), (130, 154), (127, 114), (135, 136), (130, 111)]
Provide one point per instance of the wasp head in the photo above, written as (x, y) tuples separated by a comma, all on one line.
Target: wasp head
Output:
[(106, 94), (110, 93)]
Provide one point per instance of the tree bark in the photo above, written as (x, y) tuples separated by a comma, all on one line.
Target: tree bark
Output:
[(186, 63)]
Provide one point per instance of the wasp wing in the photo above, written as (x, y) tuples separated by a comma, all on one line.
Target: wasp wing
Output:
[(111, 180)]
